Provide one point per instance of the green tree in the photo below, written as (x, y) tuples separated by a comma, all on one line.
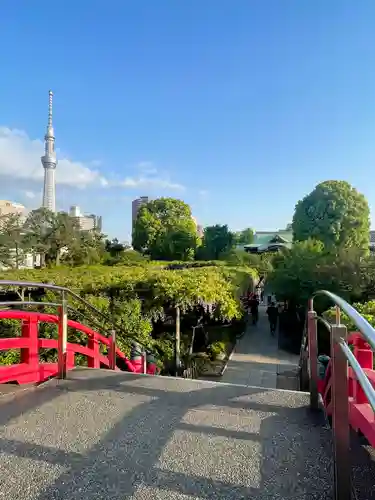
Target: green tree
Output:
[(114, 247), (245, 237), (237, 257), (85, 248), (165, 229), (334, 213), (49, 234), (308, 267), (11, 240), (216, 241)]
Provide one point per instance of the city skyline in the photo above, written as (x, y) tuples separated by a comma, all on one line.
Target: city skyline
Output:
[(268, 101)]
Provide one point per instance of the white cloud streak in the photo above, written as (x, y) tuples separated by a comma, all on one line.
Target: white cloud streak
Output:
[(20, 160)]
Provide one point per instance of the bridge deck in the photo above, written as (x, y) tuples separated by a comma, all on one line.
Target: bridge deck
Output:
[(103, 434)]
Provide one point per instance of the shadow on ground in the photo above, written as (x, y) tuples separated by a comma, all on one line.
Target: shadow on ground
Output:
[(170, 443)]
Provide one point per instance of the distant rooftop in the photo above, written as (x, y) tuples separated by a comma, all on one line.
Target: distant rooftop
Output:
[(267, 237)]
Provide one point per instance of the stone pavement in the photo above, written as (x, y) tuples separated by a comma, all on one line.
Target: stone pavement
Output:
[(257, 360), (111, 435)]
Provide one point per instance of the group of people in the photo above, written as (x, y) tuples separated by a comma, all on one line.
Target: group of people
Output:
[(272, 311)]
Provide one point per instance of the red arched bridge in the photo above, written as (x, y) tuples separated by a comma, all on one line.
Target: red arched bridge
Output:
[(274, 443), (31, 368)]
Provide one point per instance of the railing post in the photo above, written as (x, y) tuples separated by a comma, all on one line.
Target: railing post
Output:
[(112, 351), (177, 342), (144, 361), (313, 358), (62, 337), (340, 415), (30, 355)]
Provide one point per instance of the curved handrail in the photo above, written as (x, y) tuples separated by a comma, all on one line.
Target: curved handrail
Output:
[(62, 289)]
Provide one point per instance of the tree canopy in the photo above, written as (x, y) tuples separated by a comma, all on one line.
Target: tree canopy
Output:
[(308, 267), (165, 229), (245, 237), (216, 241), (55, 237), (334, 213)]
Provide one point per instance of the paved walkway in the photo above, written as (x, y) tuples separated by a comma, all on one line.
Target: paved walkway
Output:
[(257, 360)]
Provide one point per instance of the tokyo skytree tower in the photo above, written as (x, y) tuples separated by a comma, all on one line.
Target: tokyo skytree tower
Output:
[(49, 163)]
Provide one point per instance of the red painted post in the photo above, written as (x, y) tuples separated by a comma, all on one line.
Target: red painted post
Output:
[(93, 344), (62, 338), (340, 415), (112, 351), (70, 360), (144, 362), (30, 354)]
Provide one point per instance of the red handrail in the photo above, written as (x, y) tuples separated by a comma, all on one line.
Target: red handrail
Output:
[(32, 370), (361, 415), (348, 388)]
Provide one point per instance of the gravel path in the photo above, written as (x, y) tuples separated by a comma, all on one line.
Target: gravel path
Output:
[(109, 435)]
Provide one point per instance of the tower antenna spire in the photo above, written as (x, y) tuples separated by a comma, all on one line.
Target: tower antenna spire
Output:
[(50, 102), (49, 161)]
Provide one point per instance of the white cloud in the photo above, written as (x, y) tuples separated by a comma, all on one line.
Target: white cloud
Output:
[(31, 195), (147, 168), (150, 182), (20, 160), (203, 193)]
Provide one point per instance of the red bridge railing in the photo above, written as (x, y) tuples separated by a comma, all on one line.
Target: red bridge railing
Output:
[(31, 369), (347, 390)]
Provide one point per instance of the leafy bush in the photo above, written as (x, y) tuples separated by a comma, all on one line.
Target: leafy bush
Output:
[(367, 310), (216, 349), (135, 296)]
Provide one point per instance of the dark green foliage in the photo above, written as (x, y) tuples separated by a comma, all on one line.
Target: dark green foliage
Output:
[(245, 237), (334, 213), (308, 267), (216, 241), (165, 229)]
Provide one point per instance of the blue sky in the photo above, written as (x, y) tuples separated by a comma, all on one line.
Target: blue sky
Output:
[(239, 107)]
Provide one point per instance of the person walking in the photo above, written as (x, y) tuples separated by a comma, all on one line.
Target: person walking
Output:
[(254, 309), (272, 313)]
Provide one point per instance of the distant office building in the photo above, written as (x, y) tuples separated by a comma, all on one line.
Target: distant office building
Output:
[(87, 222), (199, 227), (136, 205), (74, 211), (10, 207)]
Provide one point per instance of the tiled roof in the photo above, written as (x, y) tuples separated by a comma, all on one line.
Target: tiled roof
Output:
[(264, 237)]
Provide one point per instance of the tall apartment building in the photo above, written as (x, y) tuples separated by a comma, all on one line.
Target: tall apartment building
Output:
[(136, 205), (87, 222)]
